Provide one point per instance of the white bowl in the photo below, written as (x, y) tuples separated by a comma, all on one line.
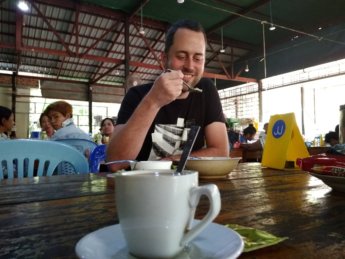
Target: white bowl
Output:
[(213, 167), (152, 165)]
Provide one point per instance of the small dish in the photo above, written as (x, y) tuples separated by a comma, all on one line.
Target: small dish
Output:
[(216, 241), (337, 183), (213, 167)]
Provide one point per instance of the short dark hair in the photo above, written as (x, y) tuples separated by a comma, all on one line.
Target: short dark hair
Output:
[(331, 135), (181, 24), (5, 113), (251, 130)]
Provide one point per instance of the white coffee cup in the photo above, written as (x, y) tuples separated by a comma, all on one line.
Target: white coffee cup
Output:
[(151, 165), (156, 210)]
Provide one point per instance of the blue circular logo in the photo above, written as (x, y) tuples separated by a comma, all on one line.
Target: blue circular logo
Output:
[(278, 129)]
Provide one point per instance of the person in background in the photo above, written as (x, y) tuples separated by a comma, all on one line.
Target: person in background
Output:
[(154, 118), (107, 128), (263, 134), (233, 137), (336, 129), (256, 145), (248, 134), (6, 122), (46, 125), (60, 115), (332, 138)]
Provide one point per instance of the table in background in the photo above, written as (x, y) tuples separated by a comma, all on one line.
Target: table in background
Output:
[(317, 150), (45, 217), (246, 154)]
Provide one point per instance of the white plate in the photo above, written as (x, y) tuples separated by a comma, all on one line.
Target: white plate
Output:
[(216, 241), (337, 183)]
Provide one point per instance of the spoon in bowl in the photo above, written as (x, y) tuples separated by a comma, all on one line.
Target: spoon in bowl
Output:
[(193, 133)]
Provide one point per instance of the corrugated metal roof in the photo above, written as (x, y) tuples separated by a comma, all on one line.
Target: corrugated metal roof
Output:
[(81, 40)]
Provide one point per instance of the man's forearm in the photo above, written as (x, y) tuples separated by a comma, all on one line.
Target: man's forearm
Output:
[(128, 138)]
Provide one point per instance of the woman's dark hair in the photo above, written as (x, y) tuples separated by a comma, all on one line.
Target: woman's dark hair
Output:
[(41, 118), (181, 24), (250, 130), (5, 113)]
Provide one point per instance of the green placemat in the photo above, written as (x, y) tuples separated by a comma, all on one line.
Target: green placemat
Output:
[(254, 238)]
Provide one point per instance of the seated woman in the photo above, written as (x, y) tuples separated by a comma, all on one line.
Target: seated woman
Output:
[(46, 125), (6, 122), (107, 128), (60, 115)]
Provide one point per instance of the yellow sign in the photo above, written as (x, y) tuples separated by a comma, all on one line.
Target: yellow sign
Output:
[(284, 142)]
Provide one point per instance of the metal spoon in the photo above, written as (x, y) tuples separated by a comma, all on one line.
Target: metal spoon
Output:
[(189, 88), (193, 132)]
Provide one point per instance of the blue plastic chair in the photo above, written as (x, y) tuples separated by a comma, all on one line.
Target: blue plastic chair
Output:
[(97, 156), (27, 158), (83, 145)]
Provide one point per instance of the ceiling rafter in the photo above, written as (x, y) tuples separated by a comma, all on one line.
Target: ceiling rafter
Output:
[(109, 49), (146, 56), (19, 32), (147, 44), (236, 17), (51, 28), (221, 63), (75, 32)]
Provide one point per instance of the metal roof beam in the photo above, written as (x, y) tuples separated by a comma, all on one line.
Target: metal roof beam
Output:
[(235, 17)]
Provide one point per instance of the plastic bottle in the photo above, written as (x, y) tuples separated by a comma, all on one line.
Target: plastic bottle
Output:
[(35, 133), (44, 135)]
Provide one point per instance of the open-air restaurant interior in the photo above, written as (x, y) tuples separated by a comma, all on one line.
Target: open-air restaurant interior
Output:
[(172, 129)]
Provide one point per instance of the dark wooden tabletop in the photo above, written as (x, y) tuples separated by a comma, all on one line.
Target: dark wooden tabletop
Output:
[(45, 217)]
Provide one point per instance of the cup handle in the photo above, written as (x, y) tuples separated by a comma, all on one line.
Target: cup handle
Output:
[(212, 192)]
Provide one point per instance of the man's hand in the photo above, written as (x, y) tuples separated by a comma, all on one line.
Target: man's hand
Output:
[(167, 88)]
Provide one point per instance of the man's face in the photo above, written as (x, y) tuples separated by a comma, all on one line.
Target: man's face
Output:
[(188, 55), (56, 119)]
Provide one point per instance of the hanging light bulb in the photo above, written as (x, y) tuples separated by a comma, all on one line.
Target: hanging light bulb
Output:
[(222, 50), (141, 30), (272, 27), (246, 68), (180, 1), (23, 5)]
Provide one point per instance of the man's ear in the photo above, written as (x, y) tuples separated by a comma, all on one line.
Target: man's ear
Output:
[(68, 115)]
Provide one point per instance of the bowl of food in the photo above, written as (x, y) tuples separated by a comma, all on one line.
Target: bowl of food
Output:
[(212, 167)]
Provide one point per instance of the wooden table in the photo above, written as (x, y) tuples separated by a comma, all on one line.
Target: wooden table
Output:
[(247, 154), (45, 217)]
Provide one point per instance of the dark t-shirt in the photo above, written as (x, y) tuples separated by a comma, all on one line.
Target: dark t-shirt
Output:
[(168, 132)]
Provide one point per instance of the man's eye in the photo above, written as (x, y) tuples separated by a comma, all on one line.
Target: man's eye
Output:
[(181, 57), (198, 58)]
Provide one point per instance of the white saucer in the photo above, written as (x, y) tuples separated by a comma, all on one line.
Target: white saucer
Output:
[(216, 241)]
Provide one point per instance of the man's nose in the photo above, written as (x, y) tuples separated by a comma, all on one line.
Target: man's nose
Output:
[(189, 63)]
